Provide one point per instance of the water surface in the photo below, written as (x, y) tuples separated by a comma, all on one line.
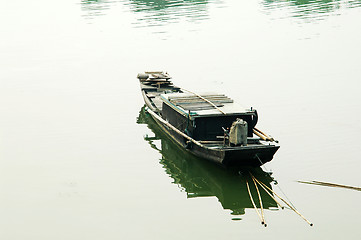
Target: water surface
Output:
[(75, 164)]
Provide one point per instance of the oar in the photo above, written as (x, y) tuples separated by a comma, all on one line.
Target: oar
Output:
[(260, 201), (311, 224), (254, 205)]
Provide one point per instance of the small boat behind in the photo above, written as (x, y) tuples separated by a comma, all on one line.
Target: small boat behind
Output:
[(209, 125)]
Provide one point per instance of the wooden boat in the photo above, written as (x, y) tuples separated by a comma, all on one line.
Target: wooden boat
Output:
[(199, 178), (208, 125)]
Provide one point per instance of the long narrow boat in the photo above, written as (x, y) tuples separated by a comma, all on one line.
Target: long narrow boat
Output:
[(208, 125), (199, 178)]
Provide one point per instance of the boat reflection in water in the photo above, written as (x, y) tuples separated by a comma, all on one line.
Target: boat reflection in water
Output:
[(200, 178)]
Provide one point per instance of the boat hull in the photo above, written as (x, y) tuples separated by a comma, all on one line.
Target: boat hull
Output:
[(226, 156), (201, 134)]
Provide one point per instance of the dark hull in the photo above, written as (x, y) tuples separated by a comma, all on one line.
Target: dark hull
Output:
[(241, 156)]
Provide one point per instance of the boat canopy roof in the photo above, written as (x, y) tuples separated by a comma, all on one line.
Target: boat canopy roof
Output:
[(204, 104)]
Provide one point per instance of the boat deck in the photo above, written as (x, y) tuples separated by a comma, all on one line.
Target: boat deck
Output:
[(205, 104)]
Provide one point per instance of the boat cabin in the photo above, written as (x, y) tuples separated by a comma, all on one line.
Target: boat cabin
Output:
[(205, 117)]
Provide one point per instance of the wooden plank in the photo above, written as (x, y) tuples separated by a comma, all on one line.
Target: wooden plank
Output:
[(201, 104), (204, 100), (209, 107), (157, 80), (159, 75), (191, 100), (151, 72), (200, 101), (211, 142), (147, 87), (158, 103), (152, 95), (195, 97), (175, 97)]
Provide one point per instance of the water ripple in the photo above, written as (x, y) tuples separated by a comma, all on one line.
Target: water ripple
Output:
[(94, 8), (150, 13), (308, 10)]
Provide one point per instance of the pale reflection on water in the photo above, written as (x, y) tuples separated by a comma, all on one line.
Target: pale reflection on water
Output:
[(154, 13), (307, 10), (162, 12), (94, 8)]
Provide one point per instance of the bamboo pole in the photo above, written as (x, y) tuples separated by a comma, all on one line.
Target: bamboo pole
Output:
[(173, 128), (267, 137), (279, 204), (204, 100), (260, 202), (211, 142), (326, 184), (260, 135), (311, 224), (254, 205)]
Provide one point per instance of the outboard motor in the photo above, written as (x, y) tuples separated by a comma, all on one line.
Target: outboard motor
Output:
[(238, 132)]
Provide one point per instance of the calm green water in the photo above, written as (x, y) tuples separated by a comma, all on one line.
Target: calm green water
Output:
[(78, 160)]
